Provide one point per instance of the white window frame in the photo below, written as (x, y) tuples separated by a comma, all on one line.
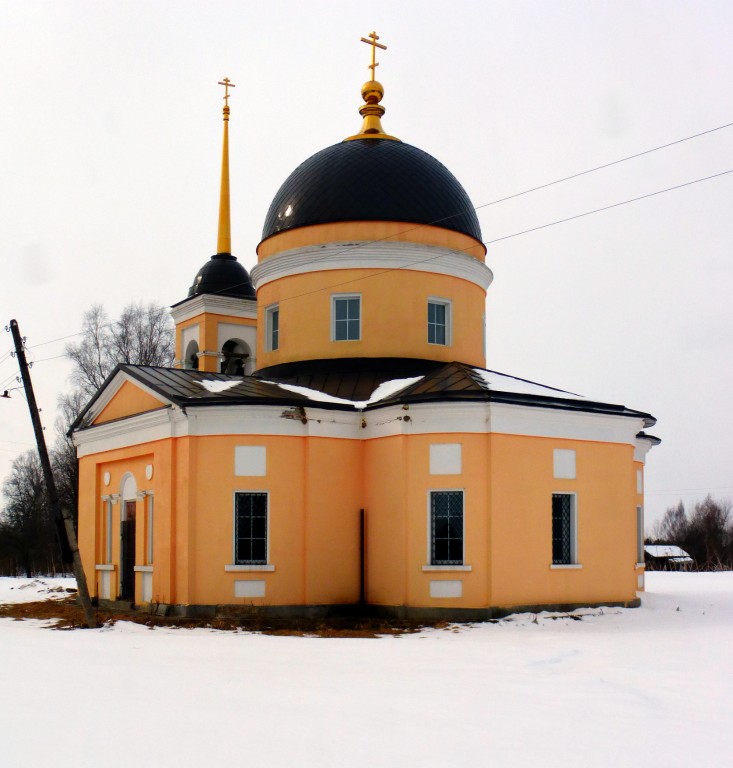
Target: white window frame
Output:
[(448, 566), (269, 314), (448, 304), (250, 566), (340, 296), (573, 532)]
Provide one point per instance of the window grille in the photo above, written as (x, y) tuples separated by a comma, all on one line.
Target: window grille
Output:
[(446, 517), (347, 318), (562, 529), (250, 530), (437, 323)]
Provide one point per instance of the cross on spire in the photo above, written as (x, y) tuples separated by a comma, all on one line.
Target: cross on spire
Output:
[(226, 82), (371, 39)]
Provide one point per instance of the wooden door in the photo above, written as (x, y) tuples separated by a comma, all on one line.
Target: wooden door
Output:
[(127, 554)]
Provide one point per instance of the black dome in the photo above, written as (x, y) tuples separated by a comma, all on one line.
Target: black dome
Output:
[(224, 275), (371, 180)]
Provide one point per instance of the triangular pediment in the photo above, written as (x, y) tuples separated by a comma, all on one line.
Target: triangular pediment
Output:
[(128, 398)]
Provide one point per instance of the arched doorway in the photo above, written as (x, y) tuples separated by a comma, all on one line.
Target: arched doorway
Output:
[(128, 514)]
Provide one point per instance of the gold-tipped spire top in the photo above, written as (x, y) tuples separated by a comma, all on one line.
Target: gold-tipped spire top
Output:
[(224, 239), (372, 40), (372, 92)]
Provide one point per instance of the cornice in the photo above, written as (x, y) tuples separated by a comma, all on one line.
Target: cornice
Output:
[(213, 304), (368, 255)]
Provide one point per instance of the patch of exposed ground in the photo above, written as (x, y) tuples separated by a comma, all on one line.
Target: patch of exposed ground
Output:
[(66, 614)]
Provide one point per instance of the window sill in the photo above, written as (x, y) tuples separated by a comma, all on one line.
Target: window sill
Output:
[(105, 567), (446, 568), (565, 567), (246, 568), (143, 568), (640, 565)]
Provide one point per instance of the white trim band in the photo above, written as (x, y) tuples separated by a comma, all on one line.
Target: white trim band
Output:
[(366, 255)]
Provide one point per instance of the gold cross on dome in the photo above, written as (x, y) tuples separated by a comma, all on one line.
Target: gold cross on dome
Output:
[(372, 40), (227, 83)]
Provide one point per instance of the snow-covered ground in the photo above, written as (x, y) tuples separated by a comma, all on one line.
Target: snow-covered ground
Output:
[(651, 686)]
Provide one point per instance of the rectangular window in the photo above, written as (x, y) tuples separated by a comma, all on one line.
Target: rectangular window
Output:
[(346, 317), (446, 527), (640, 534), (438, 321), (272, 327), (250, 528), (149, 554), (563, 529)]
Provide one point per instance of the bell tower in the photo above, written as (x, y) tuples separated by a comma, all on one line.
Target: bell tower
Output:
[(216, 325)]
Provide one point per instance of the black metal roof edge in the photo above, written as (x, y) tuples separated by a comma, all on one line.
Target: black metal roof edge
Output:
[(508, 398), (653, 439), (79, 419)]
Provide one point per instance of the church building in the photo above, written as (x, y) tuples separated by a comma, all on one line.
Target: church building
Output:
[(330, 437)]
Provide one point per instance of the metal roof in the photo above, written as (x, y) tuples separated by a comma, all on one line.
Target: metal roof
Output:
[(353, 379)]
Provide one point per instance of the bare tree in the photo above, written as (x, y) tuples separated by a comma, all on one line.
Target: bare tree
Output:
[(143, 335), (706, 533), (672, 528), (63, 455), (27, 527)]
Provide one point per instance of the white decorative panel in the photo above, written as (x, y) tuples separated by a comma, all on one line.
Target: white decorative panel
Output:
[(639, 481), (106, 478), (188, 335), (245, 333), (149, 471), (564, 464), (249, 588), (640, 581), (250, 461), (446, 589), (105, 579), (147, 586), (445, 459)]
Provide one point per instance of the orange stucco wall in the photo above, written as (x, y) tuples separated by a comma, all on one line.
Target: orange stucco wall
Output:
[(129, 400), (370, 231), (316, 487), (390, 327), (522, 485)]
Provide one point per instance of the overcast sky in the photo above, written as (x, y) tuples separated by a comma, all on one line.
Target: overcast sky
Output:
[(110, 131)]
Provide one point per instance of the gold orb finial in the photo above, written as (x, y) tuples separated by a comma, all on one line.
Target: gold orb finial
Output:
[(372, 92)]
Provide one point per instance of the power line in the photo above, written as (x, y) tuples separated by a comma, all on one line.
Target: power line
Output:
[(606, 165), (607, 207), (486, 205), (506, 237)]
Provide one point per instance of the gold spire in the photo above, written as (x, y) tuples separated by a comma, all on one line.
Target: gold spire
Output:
[(372, 92), (224, 240)]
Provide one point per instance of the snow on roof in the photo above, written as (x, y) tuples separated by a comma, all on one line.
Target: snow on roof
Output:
[(668, 550), (503, 383), (213, 385), (384, 390)]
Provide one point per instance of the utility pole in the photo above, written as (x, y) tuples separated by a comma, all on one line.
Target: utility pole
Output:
[(62, 517)]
